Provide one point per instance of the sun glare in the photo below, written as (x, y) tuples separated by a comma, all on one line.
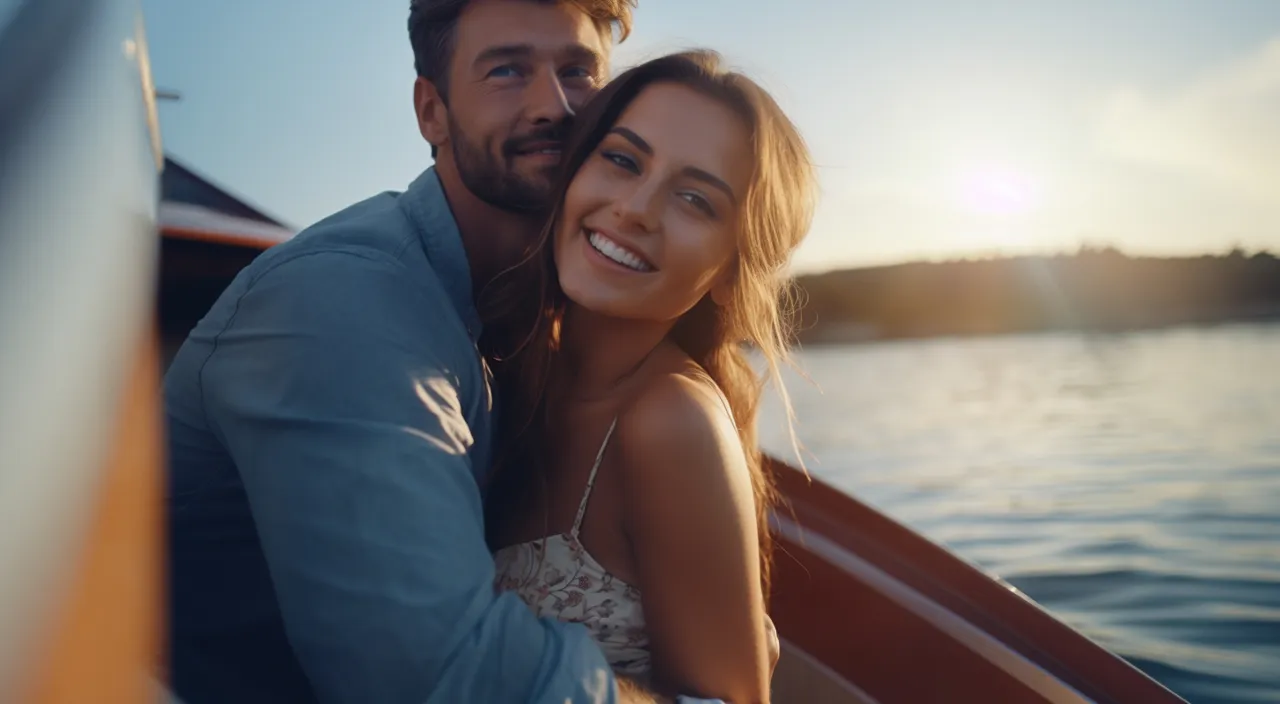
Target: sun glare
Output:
[(998, 190)]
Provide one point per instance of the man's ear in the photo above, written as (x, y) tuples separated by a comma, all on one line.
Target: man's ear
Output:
[(432, 113)]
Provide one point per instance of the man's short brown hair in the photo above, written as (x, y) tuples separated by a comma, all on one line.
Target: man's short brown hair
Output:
[(433, 25)]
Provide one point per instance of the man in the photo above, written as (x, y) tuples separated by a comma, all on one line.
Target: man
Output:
[(329, 419)]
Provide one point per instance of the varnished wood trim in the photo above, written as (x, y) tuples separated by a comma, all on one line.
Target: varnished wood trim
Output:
[(105, 640), (1029, 674)]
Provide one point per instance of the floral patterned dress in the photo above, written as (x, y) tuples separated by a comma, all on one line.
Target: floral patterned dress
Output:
[(557, 577)]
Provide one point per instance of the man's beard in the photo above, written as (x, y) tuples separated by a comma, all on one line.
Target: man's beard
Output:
[(494, 179)]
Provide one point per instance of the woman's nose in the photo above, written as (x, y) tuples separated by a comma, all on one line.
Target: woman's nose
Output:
[(640, 207)]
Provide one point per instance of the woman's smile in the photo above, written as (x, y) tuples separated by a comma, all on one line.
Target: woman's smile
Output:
[(617, 253)]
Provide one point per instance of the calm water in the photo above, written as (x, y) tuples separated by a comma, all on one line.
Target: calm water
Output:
[(1128, 483)]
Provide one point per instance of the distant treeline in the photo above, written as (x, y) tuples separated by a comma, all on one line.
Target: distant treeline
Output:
[(1094, 289)]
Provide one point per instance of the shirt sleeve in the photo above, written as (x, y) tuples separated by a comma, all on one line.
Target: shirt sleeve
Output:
[(340, 387)]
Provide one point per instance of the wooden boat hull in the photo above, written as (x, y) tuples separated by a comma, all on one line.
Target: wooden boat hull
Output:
[(876, 612), (80, 432)]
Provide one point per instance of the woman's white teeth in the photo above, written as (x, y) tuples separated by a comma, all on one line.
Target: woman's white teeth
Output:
[(603, 245)]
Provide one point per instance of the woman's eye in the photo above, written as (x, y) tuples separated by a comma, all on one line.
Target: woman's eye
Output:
[(621, 160), (700, 203)]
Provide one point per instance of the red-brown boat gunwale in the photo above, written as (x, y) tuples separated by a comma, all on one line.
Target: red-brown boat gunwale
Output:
[(952, 583)]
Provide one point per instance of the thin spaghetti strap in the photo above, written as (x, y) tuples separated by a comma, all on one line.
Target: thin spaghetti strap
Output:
[(591, 479)]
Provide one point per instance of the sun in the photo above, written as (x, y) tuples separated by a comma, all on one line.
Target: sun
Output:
[(997, 190)]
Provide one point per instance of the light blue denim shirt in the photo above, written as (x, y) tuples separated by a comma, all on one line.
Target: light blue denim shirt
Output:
[(329, 421)]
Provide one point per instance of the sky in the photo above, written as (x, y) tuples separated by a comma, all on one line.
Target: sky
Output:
[(941, 129)]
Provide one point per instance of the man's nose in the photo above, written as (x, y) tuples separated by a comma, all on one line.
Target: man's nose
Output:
[(548, 102)]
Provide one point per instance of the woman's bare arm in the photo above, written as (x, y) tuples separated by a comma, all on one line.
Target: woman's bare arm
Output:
[(690, 515)]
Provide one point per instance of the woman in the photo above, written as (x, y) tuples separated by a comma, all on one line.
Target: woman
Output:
[(631, 496)]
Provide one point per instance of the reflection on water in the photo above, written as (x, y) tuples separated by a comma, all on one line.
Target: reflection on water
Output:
[(1130, 483)]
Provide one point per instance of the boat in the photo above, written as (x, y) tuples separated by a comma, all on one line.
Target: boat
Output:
[(871, 611), (867, 609)]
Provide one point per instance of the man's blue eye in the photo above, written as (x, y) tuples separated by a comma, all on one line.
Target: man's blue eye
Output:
[(505, 71)]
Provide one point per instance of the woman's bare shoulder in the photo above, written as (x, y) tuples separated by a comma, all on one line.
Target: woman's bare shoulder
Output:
[(676, 436), (678, 404)]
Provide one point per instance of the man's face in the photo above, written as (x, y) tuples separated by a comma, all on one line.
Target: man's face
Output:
[(519, 72)]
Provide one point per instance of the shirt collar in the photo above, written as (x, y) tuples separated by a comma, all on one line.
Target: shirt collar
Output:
[(428, 210)]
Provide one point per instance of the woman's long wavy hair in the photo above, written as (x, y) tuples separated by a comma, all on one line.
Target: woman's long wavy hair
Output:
[(523, 308)]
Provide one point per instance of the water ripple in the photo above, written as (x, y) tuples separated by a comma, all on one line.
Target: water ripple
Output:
[(1128, 483)]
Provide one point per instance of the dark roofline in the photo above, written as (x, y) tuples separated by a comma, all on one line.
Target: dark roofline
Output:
[(215, 197)]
